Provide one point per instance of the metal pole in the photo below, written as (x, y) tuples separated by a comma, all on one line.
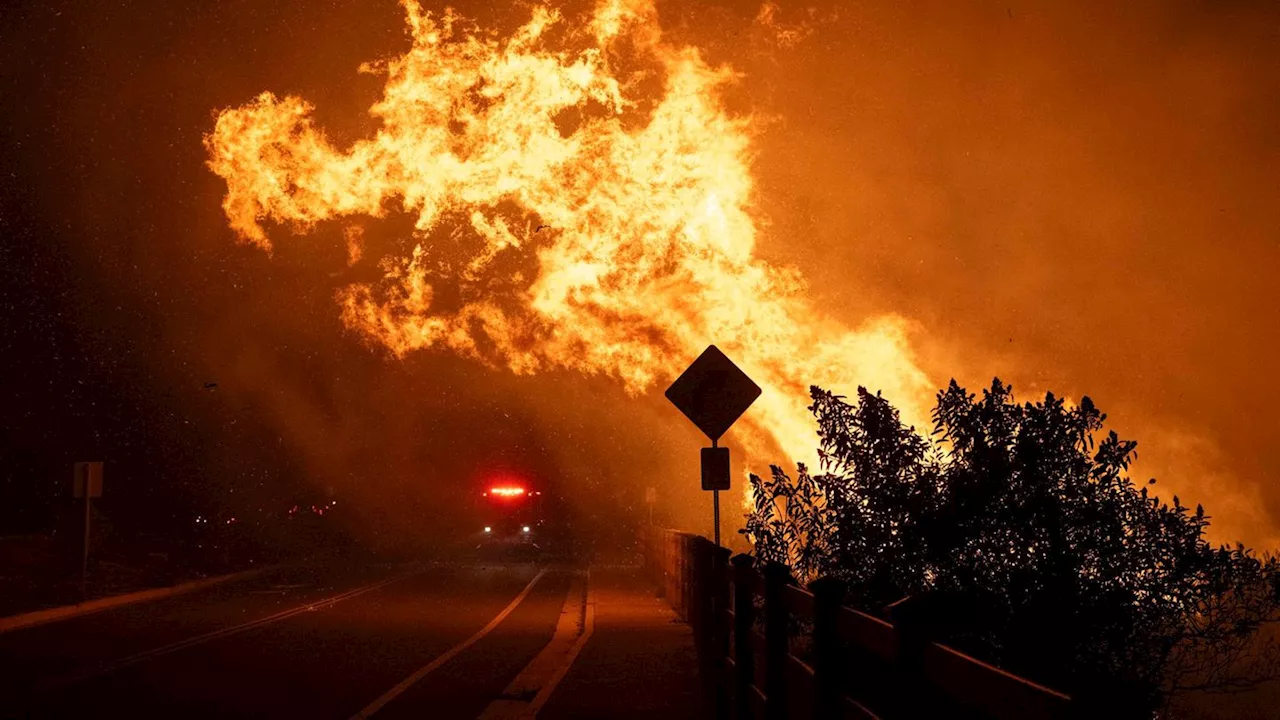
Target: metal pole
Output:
[(715, 503), (84, 561)]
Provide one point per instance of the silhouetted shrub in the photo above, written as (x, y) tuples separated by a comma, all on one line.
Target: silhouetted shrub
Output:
[(1049, 560)]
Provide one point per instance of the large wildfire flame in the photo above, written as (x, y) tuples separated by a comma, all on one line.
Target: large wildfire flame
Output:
[(647, 256)]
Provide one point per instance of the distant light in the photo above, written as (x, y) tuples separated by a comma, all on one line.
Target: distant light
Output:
[(526, 528), (488, 529), (507, 491)]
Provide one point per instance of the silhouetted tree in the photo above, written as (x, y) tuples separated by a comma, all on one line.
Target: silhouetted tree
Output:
[(1049, 559)]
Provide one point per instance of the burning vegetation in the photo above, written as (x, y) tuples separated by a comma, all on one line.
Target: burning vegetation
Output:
[(602, 193)]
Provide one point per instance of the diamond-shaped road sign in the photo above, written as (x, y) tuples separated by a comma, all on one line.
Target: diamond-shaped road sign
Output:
[(713, 392)]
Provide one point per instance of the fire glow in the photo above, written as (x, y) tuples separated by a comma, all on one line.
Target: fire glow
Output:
[(616, 228)]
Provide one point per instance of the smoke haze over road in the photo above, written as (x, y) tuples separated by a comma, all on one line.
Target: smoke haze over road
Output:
[(1077, 200)]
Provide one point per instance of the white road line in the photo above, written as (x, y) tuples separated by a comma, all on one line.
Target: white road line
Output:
[(220, 633), (588, 627), (430, 667), (66, 612), (515, 699)]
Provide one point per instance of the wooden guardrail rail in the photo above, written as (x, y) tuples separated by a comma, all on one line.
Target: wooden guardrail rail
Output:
[(770, 649)]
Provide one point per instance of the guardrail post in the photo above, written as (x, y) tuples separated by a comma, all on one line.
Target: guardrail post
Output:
[(699, 609), (719, 626), (776, 640), (744, 620), (912, 618), (828, 652)]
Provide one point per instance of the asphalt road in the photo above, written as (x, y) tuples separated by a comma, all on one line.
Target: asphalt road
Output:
[(311, 642)]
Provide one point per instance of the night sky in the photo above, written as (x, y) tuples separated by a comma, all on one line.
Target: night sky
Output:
[(1081, 200)]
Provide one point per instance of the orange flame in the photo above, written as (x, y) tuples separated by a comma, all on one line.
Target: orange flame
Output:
[(632, 215)]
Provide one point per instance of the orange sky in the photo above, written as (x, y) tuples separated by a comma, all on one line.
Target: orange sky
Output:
[(1077, 198), (1073, 197)]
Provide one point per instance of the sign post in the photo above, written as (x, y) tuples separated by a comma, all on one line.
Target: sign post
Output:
[(713, 393), (87, 484)]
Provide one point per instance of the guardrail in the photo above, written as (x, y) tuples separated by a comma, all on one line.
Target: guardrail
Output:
[(768, 648)]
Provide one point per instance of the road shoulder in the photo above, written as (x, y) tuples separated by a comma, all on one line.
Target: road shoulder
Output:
[(638, 663), (54, 614)]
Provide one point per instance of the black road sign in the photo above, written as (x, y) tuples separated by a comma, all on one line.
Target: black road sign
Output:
[(713, 392), (715, 468)]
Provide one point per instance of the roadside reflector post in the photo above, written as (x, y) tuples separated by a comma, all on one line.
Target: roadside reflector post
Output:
[(713, 393), (86, 482)]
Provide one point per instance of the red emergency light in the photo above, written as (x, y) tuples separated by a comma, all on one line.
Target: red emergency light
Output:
[(507, 491)]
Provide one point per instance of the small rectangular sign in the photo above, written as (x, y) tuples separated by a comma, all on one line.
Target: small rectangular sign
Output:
[(87, 473), (715, 468)]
